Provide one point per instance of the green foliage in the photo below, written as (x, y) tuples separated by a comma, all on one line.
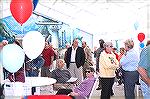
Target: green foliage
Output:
[(4, 33), (1, 26)]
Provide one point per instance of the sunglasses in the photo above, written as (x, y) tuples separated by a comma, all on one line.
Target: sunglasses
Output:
[(87, 71)]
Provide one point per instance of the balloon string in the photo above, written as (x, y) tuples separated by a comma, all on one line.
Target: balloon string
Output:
[(13, 87), (13, 78), (22, 29), (24, 70)]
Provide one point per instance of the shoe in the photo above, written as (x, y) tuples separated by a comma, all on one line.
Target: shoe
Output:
[(99, 88), (112, 94), (138, 83)]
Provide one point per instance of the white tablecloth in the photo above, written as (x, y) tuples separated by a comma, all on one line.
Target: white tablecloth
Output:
[(21, 89), (39, 81)]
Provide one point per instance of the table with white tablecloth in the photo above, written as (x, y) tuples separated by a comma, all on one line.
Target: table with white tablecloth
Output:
[(22, 89), (39, 81)]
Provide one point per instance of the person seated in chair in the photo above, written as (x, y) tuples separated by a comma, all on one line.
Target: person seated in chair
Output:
[(83, 90), (33, 66), (60, 74)]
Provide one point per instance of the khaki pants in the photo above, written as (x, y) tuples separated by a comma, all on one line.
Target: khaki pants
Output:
[(76, 72)]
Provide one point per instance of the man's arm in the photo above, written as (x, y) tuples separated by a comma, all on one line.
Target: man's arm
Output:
[(144, 75), (52, 59), (82, 56), (89, 57)]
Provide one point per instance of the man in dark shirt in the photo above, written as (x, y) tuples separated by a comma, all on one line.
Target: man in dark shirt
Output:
[(98, 52), (75, 59)]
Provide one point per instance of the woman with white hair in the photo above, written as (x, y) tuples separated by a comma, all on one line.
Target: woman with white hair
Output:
[(129, 64), (108, 65)]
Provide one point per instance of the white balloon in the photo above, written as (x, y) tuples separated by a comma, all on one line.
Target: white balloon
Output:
[(33, 44), (12, 57)]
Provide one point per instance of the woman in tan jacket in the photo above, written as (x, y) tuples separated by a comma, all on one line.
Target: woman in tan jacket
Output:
[(108, 64)]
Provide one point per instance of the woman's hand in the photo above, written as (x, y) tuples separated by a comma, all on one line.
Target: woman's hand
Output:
[(74, 94)]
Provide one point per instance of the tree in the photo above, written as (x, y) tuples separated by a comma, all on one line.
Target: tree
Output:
[(4, 33)]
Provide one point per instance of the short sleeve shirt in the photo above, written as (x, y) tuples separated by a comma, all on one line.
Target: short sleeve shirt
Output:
[(47, 53), (145, 59)]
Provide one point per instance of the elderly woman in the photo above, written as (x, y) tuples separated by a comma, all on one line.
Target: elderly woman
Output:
[(108, 65), (83, 90), (129, 64)]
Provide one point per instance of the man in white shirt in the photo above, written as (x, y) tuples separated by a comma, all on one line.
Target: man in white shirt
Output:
[(75, 58)]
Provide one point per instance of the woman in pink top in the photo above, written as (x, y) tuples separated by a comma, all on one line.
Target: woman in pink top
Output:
[(83, 90)]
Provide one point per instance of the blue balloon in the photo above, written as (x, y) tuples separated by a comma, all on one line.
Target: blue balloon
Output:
[(12, 57), (35, 2), (142, 45), (136, 25)]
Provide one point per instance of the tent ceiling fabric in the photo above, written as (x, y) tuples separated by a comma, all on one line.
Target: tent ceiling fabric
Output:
[(93, 16)]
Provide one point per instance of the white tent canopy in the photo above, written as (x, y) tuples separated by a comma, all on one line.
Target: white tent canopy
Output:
[(93, 16), (99, 17)]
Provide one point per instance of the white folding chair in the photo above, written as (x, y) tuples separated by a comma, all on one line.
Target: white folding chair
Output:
[(93, 88), (137, 90), (137, 86), (68, 85)]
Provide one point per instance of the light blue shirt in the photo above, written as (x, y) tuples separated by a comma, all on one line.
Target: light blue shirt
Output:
[(129, 62)]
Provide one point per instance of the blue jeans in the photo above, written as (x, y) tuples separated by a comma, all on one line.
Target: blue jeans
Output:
[(130, 79), (145, 90), (32, 73)]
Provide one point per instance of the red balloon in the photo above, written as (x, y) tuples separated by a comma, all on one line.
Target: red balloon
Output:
[(141, 37), (21, 10)]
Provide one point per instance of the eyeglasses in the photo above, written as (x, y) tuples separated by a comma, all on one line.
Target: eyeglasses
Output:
[(87, 71), (110, 46)]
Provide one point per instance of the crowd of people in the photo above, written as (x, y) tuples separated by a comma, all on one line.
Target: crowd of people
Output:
[(78, 62), (125, 66)]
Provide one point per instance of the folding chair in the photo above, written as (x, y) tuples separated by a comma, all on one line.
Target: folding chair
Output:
[(137, 90), (137, 86), (93, 88), (68, 85)]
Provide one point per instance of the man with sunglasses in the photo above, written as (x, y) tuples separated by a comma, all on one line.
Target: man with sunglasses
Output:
[(83, 90)]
